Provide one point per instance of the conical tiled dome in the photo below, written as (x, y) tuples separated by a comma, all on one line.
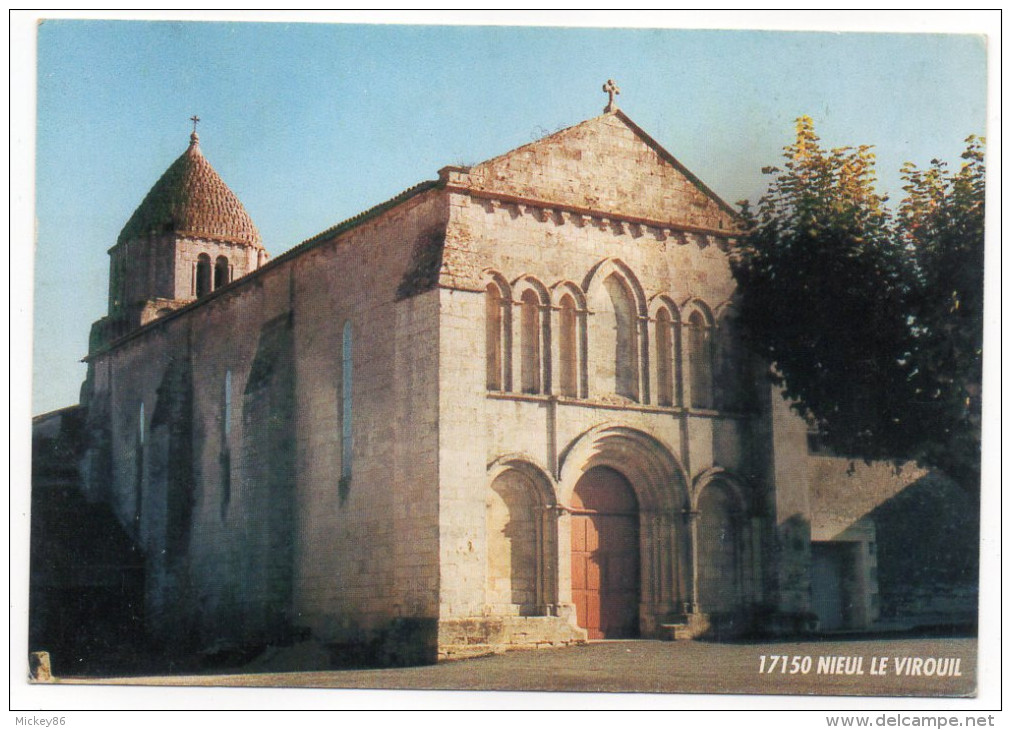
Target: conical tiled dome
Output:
[(191, 199)]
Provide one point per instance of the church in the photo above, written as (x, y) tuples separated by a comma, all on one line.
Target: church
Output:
[(505, 408)]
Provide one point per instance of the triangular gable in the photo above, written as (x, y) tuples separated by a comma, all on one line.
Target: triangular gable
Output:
[(605, 164)]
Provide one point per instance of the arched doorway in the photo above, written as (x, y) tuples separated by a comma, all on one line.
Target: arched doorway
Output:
[(605, 554)]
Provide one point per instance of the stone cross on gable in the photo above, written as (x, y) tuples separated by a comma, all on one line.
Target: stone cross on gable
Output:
[(612, 90)]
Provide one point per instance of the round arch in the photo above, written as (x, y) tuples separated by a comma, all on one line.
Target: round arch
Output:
[(724, 543), (665, 351), (718, 474), (544, 485), (617, 333), (561, 288), (660, 486), (605, 268), (491, 276), (694, 305), (533, 334), (664, 301), (698, 356), (569, 328), (527, 282), (659, 480), (725, 310), (498, 330), (521, 547)]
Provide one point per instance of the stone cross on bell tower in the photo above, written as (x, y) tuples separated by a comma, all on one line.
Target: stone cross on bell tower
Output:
[(194, 138), (612, 90)]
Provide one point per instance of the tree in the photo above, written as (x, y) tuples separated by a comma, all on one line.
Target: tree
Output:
[(941, 222), (869, 318)]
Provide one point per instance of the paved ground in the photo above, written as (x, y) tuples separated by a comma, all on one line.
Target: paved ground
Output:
[(646, 666)]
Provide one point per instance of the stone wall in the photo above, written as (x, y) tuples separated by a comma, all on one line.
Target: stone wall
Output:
[(223, 437), (86, 576), (926, 544), (605, 164), (787, 467), (162, 268)]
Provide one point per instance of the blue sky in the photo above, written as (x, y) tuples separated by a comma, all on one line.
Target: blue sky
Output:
[(310, 123)]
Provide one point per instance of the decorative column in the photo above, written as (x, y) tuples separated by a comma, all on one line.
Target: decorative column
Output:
[(563, 562), (512, 357), (643, 342), (670, 592), (543, 569), (582, 345), (648, 563), (692, 523), (547, 355), (684, 359), (757, 587)]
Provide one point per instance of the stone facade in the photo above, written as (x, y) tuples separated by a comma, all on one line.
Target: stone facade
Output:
[(506, 408)]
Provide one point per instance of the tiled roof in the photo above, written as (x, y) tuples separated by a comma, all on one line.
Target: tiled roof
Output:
[(192, 199)]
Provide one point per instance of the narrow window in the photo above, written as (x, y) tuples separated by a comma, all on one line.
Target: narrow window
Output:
[(227, 409), (567, 346), (138, 477), (493, 337), (700, 362), (220, 272), (664, 359), (626, 359), (203, 275), (530, 342), (225, 463), (225, 460), (346, 410)]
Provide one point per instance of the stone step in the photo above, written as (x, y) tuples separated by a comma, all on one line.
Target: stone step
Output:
[(677, 632)]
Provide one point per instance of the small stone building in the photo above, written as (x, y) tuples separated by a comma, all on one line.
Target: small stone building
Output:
[(506, 407)]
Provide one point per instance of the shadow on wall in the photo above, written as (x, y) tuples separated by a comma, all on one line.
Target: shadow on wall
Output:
[(928, 554), (87, 575)]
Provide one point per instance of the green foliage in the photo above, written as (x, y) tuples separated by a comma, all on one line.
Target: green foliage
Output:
[(941, 222), (872, 320)]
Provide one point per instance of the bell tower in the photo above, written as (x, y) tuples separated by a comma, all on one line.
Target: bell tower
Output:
[(189, 237)]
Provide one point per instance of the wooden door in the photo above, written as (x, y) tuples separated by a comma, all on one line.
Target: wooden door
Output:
[(605, 555)]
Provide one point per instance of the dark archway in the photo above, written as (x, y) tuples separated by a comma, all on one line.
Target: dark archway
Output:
[(203, 278), (222, 274)]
